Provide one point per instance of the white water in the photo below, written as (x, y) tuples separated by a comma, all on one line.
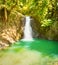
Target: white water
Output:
[(27, 30)]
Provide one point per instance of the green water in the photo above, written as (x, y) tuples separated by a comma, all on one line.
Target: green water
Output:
[(44, 46), (36, 52)]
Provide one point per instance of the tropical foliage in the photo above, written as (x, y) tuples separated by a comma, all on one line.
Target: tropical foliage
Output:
[(43, 11)]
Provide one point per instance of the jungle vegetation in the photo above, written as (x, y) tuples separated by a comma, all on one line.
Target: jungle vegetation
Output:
[(44, 12)]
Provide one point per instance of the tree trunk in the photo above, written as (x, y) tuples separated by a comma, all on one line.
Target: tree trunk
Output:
[(5, 11), (5, 14)]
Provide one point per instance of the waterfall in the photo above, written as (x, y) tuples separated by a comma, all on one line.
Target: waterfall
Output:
[(27, 30)]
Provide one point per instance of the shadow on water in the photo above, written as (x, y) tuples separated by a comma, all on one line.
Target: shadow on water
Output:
[(44, 46)]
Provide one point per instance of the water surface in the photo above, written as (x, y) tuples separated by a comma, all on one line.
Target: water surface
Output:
[(37, 52)]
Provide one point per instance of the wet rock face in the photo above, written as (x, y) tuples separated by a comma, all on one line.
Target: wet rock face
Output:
[(11, 31), (50, 33), (35, 27)]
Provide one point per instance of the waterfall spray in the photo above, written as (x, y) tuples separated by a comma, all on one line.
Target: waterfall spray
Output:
[(27, 30)]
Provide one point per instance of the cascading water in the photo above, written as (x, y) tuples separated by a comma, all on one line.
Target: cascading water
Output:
[(27, 30)]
